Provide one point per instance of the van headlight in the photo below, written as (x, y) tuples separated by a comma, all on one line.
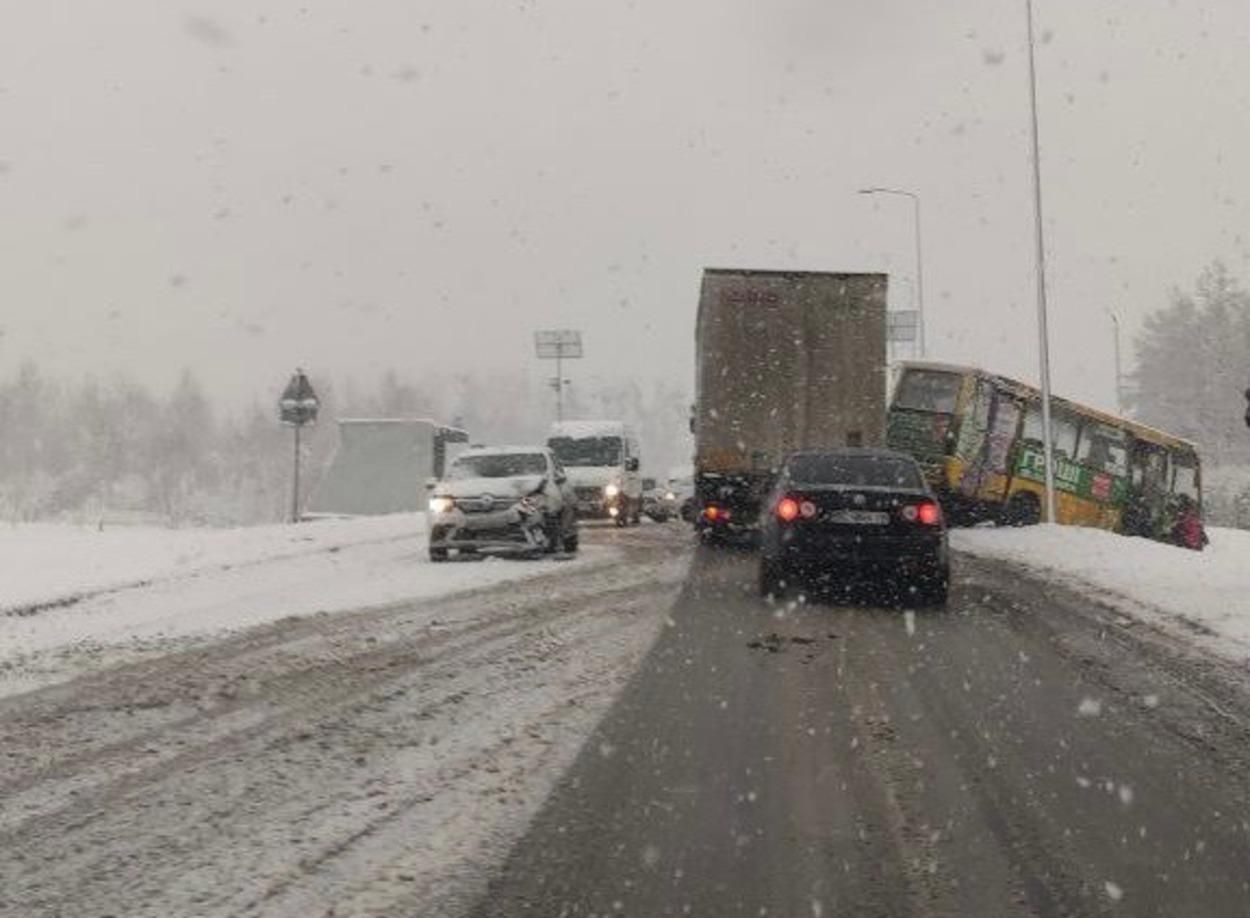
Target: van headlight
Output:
[(441, 504), (611, 491)]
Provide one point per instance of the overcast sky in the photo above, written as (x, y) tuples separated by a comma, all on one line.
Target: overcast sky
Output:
[(351, 186)]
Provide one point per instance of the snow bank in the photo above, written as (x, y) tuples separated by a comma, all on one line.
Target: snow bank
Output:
[(74, 599), (46, 564), (1209, 588)]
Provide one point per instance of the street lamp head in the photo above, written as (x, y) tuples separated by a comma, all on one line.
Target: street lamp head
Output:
[(899, 191)]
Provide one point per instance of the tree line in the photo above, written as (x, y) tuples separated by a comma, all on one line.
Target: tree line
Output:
[(1192, 368), (115, 450)]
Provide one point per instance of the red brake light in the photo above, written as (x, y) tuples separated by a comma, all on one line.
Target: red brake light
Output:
[(787, 509), (712, 513), (929, 514)]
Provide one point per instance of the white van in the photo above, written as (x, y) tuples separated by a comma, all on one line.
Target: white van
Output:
[(602, 459)]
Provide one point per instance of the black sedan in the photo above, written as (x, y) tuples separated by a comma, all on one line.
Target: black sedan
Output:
[(847, 513)]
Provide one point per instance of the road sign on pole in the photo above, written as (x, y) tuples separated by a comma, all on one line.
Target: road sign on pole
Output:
[(298, 406), (559, 345)]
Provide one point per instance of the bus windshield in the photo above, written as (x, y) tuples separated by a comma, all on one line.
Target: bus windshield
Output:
[(929, 390)]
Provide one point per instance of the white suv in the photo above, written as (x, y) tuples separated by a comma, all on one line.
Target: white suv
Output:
[(503, 500)]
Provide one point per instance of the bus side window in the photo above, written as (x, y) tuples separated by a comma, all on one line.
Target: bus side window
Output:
[(1063, 433), (1032, 424), (1103, 449)]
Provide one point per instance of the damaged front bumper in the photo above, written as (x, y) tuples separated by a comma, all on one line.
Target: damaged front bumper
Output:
[(512, 531)]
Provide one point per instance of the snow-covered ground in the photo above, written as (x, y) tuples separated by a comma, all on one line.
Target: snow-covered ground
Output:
[(1208, 589), (75, 598)]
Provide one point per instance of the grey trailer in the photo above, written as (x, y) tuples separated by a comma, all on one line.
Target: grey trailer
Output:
[(382, 466), (785, 360)]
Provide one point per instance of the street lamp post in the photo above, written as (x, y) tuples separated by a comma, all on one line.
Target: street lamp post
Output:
[(1043, 334), (915, 201), (1119, 374)]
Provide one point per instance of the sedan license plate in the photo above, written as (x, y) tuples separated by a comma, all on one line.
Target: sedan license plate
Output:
[(859, 517)]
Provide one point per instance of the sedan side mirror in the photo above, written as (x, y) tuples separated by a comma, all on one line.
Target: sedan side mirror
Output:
[(631, 464), (431, 483), (560, 478)]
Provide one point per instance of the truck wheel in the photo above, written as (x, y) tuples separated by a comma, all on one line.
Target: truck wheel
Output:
[(438, 554), (571, 542), (933, 589)]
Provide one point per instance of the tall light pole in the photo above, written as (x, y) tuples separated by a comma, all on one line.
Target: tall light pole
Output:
[(1043, 334), (1119, 375), (915, 201)]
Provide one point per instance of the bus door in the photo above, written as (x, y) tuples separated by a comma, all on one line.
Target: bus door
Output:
[(1147, 492), (997, 420)]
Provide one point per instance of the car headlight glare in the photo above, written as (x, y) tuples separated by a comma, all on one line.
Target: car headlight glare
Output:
[(611, 491), (669, 495), (441, 504)]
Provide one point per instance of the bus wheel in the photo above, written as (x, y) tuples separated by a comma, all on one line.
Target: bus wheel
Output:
[(1022, 510)]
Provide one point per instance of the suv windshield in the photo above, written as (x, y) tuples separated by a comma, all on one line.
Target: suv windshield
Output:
[(585, 451), (859, 471), (503, 465)]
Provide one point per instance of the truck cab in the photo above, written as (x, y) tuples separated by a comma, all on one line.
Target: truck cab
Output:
[(602, 460)]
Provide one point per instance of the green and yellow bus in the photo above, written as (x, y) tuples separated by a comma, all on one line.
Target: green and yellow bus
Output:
[(978, 436)]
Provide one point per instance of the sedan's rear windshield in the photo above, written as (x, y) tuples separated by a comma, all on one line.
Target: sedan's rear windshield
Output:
[(858, 471), (503, 465), (929, 390)]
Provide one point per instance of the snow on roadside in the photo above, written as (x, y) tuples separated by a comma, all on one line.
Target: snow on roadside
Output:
[(1210, 589), (45, 563), (80, 599)]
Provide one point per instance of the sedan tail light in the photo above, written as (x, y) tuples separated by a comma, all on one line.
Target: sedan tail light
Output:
[(926, 514), (787, 509)]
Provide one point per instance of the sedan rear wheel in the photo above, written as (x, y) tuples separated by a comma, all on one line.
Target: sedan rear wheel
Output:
[(772, 578)]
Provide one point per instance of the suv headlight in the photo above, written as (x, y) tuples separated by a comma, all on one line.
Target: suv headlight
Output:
[(611, 490), (441, 504)]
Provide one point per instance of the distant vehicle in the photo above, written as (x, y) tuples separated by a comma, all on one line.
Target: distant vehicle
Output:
[(839, 514), (503, 500), (381, 464), (602, 460), (680, 493), (785, 360), (978, 438), (658, 503)]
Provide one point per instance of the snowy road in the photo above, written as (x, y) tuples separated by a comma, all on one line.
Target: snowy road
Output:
[(1026, 752), (641, 735), (370, 763)]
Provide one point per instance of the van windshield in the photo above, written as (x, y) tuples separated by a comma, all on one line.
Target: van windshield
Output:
[(584, 451)]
